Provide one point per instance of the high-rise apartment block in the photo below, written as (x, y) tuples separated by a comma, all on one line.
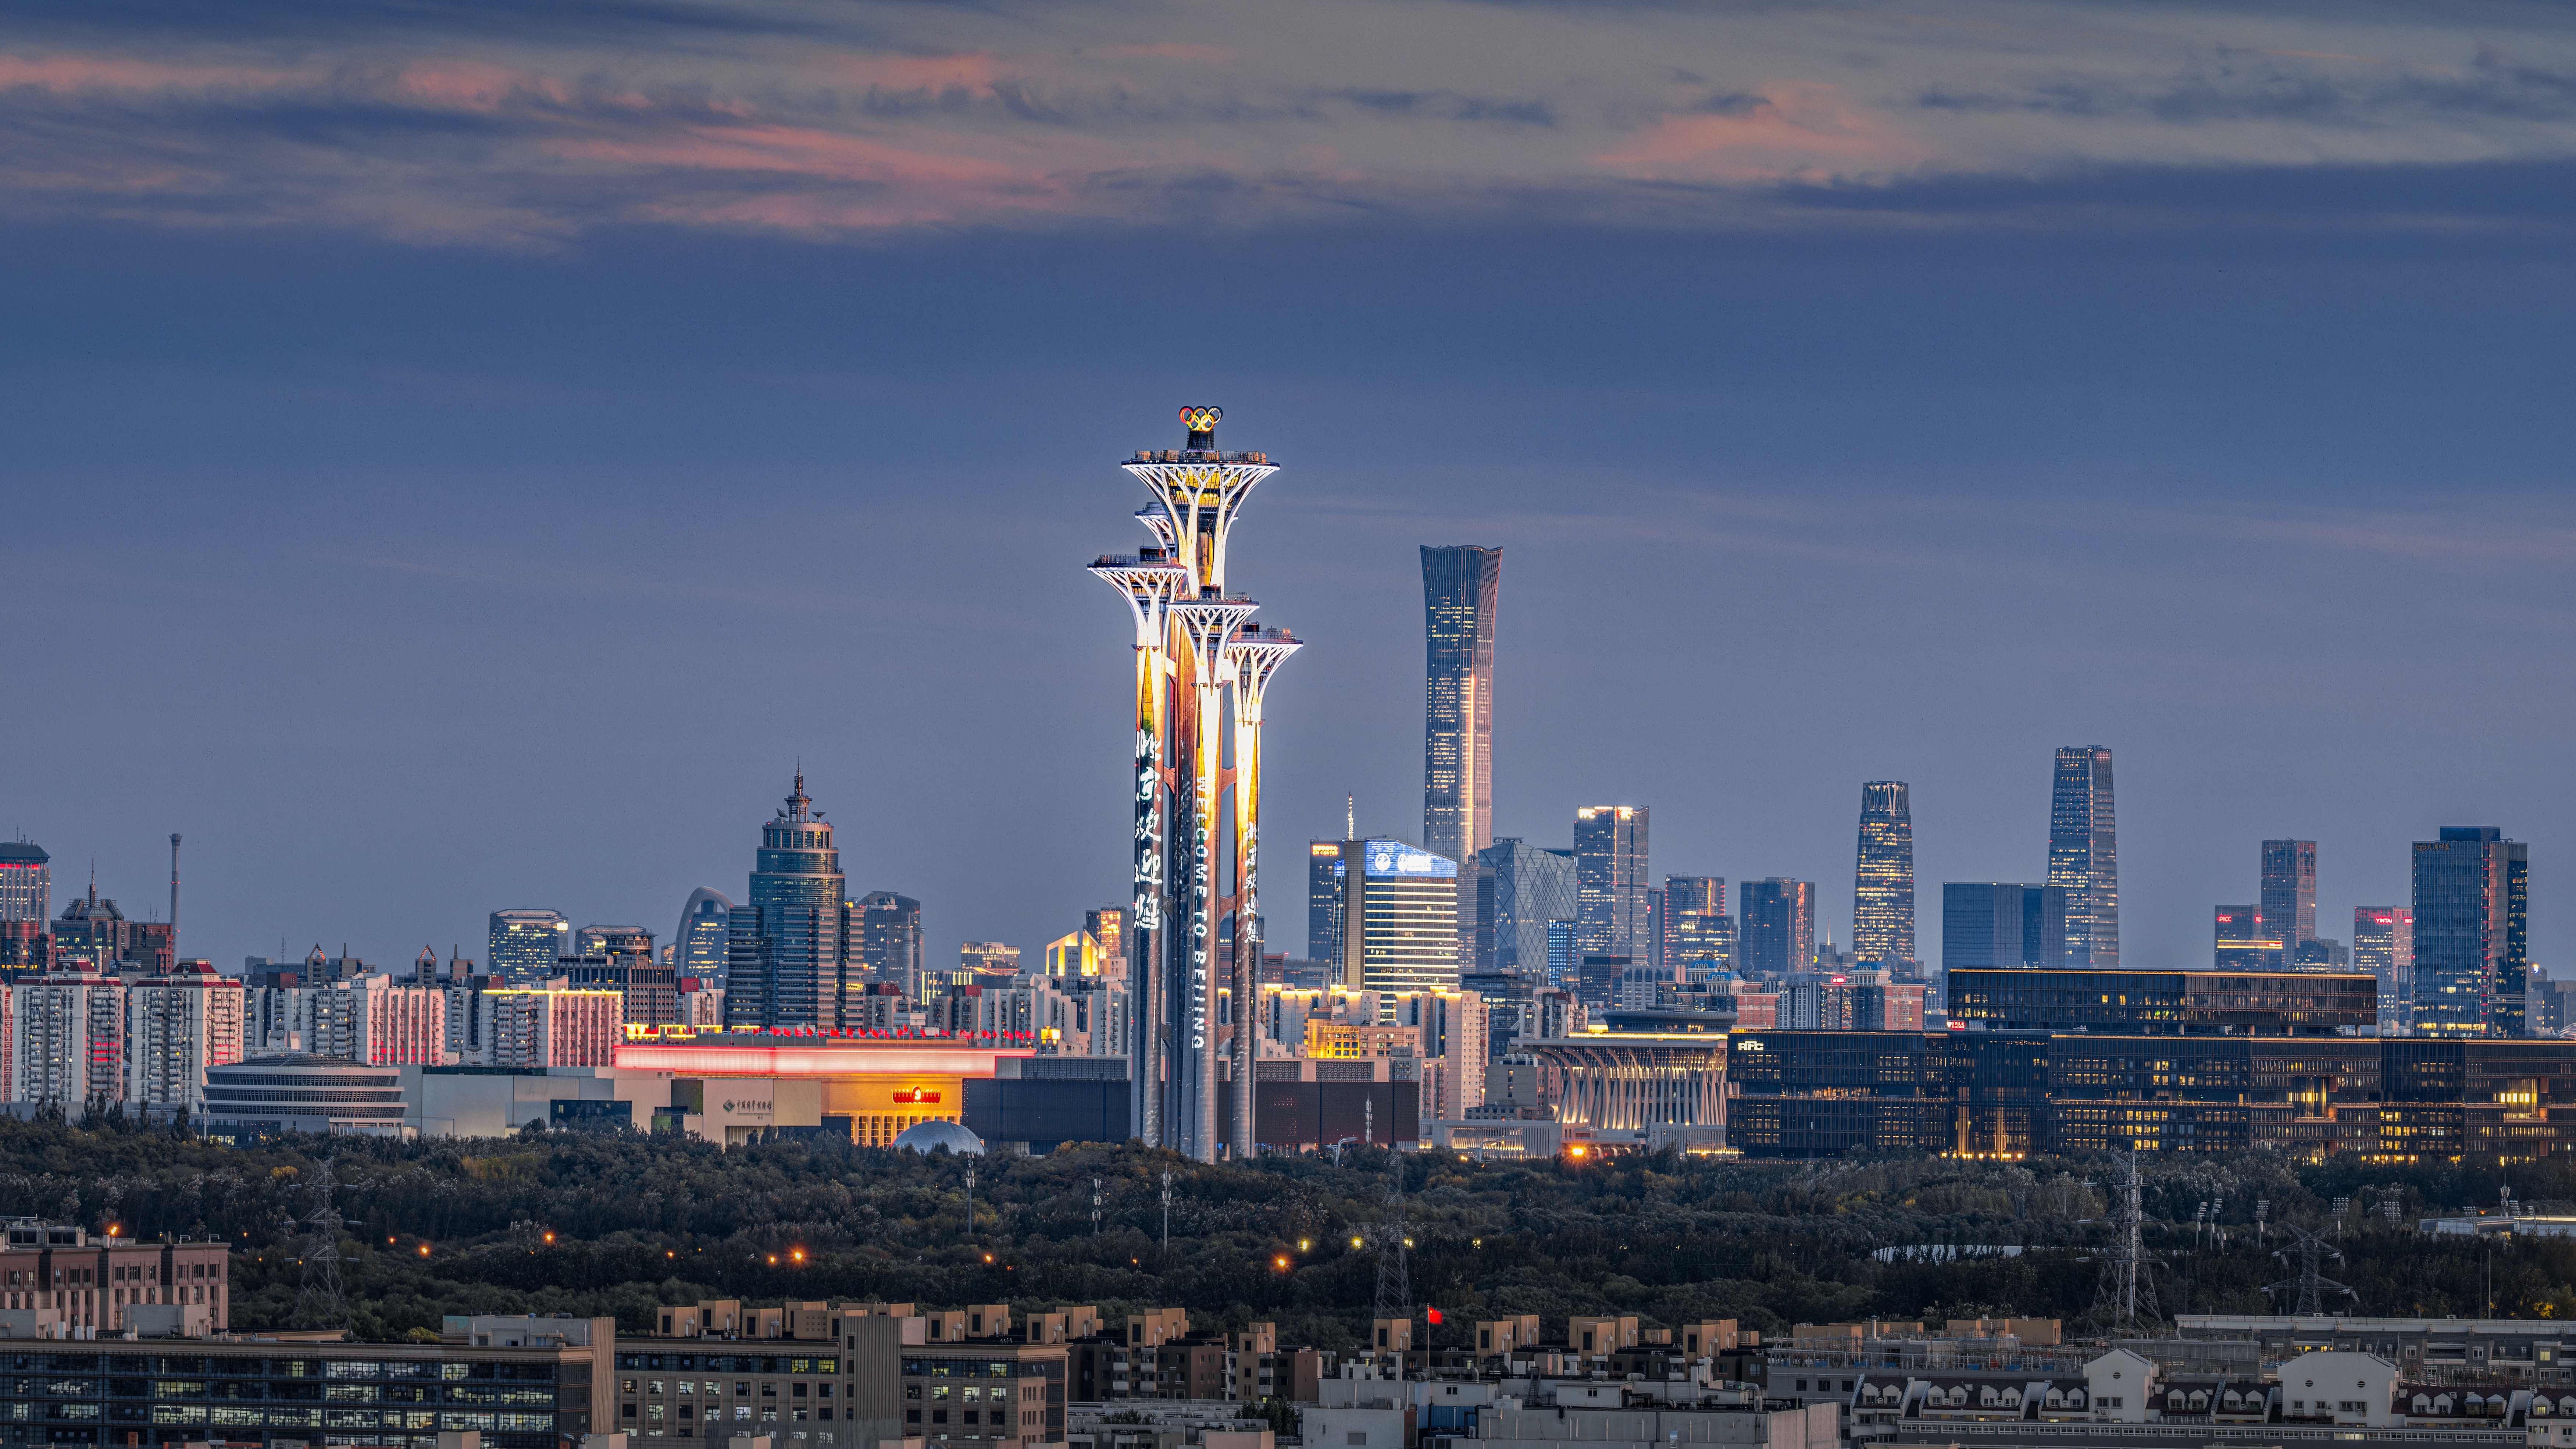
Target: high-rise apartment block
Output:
[(67, 1039), (177, 1026), (2084, 855), (1525, 887), (1775, 926), (2471, 912), (1987, 924), (889, 938), (785, 962), (2383, 944), (1399, 920), (1460, 588), (2289, 905), (2244, 941), (1610, 881), (700, 947), (26, 882), (1883, 878), (525, 945), (549, 1028)]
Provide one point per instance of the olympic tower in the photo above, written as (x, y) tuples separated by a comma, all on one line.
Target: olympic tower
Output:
[(1202, 667)]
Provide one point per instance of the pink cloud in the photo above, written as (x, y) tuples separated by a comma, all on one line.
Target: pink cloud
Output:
[(1796, 130), (913, 185), (472, 85), (972, 70), (65, 73)]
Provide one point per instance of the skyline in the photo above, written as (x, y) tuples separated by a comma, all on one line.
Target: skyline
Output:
[(423, 527)]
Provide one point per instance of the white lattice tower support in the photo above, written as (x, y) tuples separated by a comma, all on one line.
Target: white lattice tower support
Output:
[(1253, 656)]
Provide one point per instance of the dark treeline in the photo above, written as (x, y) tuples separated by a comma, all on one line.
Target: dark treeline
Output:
[(614, 1225)]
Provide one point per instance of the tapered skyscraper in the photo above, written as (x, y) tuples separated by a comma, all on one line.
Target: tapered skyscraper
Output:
[(1460, 586), (1883, 881), (785, 965), (2290, 895), (2084, 855), (1202, 668)]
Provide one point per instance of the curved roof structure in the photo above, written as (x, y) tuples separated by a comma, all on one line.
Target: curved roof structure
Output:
[(928, 1137)]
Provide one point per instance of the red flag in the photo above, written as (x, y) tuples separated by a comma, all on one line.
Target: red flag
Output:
[(1433, 1314)]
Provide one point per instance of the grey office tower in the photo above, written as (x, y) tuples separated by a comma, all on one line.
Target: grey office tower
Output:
[(1525, 888), (786, 965), (1461, 586), (1324, 900), (2383, 944), (1610, 877), (698, 948), (1990, 924), (525, 944), (2290, 894), (1883, 879), (2084, 855), (888, 944), (1776, 926), (2471, 911)]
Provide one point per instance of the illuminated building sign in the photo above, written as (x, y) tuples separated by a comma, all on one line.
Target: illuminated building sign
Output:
[(915, 1094), (1397, 859)]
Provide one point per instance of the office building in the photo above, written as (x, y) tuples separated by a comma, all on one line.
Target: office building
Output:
[(2471, 889), (785, 963), (260, 1097), (1324, 900), (985, 960), (2002, 924), (2084, 855), (1072, 957), (2383, 944), (1399, 921), (889, 939), (2185, 1003), (67, 1039), (176, 1027), (1108, 926), (2243, 942), (1610, 881), (1202, 668), (525, 945), (1454, 1036), (1883, 878), (699, 947), (2289, 905), (1775, 926), (92, 931), (2320, 951), (1460, 587), (621, 959), (1525, 887), (1562, 964), (1698, 939), (26, 882)]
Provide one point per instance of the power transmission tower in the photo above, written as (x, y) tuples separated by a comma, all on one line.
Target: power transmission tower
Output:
[(320, 1303), (1394, 1276), (2310, 1286), (970, 1199), (1167, 1211), (1095, 1207), (2124, 1301)]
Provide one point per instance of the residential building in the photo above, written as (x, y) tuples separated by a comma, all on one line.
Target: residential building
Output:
[(525, 944), (26, 882), (699, 947), (1883, 878), (1524, 887), (371, 1018), (2471, 909), (67, 1038), (67, 1284), (889, 939), (2383, 944), (2084, 855), (1776, 926), (176, 1027), (2244, 942), (1399, 920), (1461, 586), (549, 1027), (1610, 881), (785, 961), (2290, 894)]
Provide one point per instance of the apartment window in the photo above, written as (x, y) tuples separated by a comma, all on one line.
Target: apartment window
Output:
[(1356, 1436)]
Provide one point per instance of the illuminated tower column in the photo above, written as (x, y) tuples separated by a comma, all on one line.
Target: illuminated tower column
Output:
[(1251, 659), (1206, 625), (1149, 581)]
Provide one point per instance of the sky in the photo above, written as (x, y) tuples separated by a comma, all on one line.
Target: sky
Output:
[(457, 457)]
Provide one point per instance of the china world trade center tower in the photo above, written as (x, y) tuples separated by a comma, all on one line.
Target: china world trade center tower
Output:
[(1202, 667)]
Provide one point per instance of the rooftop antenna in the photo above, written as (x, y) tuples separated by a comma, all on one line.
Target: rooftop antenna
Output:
[(174, 892), (1350, 817)]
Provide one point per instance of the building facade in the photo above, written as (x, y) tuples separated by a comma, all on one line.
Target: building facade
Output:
[(525, 944), (67, 1039), (26, 882), (1611, 882), (699, 947), (889, 938), (1883, 878), (2289, 901), (2471, 908), (2383, 944), (176, 1027), (1523, 888), (1399, 921), (1987, 925), (2084, 855), (2179, 1003), (1461, 586), (785, 963), (1775, 926), (2244, 941)]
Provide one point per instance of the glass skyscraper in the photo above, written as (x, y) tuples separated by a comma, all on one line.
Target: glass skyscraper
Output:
[(1776, 927), (2244, 939), (887, 931), (525, 945), (26, 882), (698, 947), (786, 965), (1525, 888), (2084, 855), (1323, 900), (2471, 892), (2290, 894), (1883, 879), (1991, 924), (1399, 921), (2383, 944), (1610, 881), (1460, 587)]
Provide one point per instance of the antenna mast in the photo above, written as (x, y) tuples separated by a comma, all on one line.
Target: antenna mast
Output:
[(174, 895)]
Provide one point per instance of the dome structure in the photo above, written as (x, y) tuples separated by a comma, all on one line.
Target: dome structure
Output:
[(929, 1137)]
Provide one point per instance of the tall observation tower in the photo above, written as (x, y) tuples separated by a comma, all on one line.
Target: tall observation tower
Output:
[(1202, 667)]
